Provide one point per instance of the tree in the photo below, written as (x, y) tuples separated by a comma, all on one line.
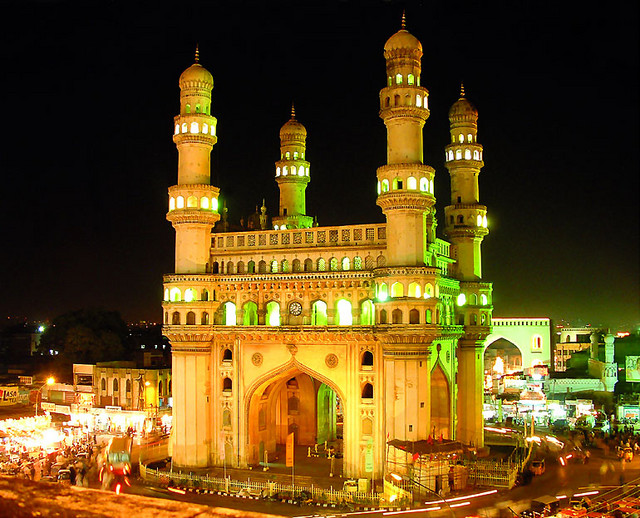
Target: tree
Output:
[(86, 336)]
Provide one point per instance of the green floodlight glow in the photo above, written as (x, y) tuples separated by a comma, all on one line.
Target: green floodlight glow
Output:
[(214, 204), (462, 299), (40, 329)]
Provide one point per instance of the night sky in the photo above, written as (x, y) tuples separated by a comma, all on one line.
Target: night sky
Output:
[(90, 90)]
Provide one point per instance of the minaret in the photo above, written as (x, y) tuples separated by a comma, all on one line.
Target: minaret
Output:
[(465, 218), (466, 226), (405, 184), (292, 175), (405, 195), (193, 202)]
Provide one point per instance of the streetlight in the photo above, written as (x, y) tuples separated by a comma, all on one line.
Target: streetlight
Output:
[(440, 500), (50, 381)]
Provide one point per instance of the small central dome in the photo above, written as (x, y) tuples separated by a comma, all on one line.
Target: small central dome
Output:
[(292, 127), (403, 39), (196, 73)]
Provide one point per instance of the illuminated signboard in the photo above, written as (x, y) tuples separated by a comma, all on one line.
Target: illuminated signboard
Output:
[(632, 366)]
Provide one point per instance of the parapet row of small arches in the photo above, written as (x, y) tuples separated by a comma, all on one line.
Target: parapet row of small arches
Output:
[(206, 109), (194, 127), (481, 220), (308, 265), (406, 100), (400, 79), (192, 202), (287, 155), (426, 185), (301, 171), (450, 155)]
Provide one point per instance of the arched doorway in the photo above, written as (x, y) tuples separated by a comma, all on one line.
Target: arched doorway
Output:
[(501, 358), (293, 402), (440, 404)]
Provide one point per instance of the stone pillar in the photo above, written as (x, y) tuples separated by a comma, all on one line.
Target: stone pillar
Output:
[(470, 391)]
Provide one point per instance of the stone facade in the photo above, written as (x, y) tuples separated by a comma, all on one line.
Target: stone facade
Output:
[(353, 334)]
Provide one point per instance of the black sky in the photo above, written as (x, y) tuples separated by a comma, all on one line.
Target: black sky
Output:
[(90, 90)]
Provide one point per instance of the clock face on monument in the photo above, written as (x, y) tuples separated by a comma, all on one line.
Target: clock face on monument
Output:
[(295, 308)]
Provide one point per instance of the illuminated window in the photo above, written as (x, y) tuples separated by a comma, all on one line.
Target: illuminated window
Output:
[(175, 295), (346, 264), (172, 203), (285, 266), (295, 155), (190, 295), (250, 314), (204, 203), (479, 220), (398, 79), (205, 128), (476, 155), (390, 81), (293, 170), (191, 318), (229, 314), (333, 264), (428, 291), (414, 290), (450, 155), (484, 221), (357, 263), (462, 299), (274, 266), (166, 295), (483, 299), (177, 128), (285, 171), (473, 300), (410, 79), (424, 184), (379, 188), (321, 265), (458, 154), (180, 202), (278, 171), (214, 204), (536, 343), (412, 183), (385, 185), (188, 108), (345, 317), (469, 137), (419, 101), (467, 154), (397, 183), (431, 187), (367, 313), (427, 316), (192, 202), (461, 138), (306, 172), (273, 314), (194, 128), (213, 130), (287, 155), (184, 127), (397, 289), (319, 313), (383, 293), (197, 108)]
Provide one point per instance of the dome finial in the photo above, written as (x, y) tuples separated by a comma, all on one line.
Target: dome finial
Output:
[(293, 111), (197, 54), (461, 90), (403, 23)]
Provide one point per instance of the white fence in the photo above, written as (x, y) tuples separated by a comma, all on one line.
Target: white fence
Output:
[(261, 489)]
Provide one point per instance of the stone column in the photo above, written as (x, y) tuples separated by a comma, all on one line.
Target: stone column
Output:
[(470, 391)]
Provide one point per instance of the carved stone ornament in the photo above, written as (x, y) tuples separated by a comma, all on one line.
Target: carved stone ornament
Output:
[(293, 349), (257, 359), (331, 360)]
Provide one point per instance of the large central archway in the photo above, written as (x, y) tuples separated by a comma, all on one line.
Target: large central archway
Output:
[(292, 401)]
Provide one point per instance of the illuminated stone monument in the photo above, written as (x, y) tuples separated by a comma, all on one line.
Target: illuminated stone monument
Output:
[(354, 334)]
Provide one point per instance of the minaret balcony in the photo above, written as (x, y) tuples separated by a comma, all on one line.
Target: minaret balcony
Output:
[(405, 200)]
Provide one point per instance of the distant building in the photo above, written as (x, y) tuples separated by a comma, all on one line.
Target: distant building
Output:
[(570, 340)]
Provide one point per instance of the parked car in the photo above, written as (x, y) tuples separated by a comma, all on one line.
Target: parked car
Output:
[(64, 477), (541, 507)]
